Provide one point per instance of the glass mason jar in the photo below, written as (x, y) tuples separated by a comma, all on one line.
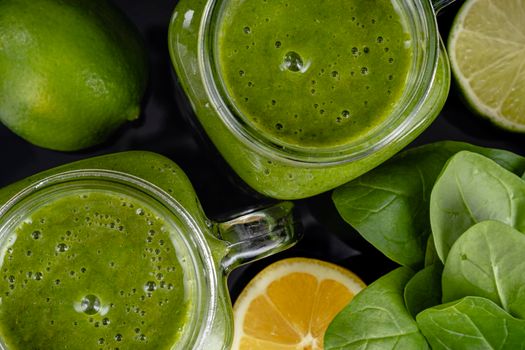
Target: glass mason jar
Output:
[(206, 251), (282, 170)]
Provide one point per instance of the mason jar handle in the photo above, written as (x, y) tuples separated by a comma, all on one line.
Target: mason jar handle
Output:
[(441, 4), (258, 234)]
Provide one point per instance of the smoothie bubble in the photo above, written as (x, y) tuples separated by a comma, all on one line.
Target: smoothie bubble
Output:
[(90, 304), (293, 62), (61, 248), (150, 286), (36, 234)]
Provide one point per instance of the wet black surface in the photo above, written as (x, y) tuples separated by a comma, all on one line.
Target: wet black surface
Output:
[(163, 129)]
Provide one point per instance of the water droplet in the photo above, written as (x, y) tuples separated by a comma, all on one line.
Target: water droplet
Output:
[(279, 126), (390, 77), (106, 321), (61, 248), (364, 70), (335, 74), (390, 60), (90, 304), (355, 51), (36, 234), (379, 39), (140, 212), (277, 44), (345, 114), (11, 279), (118, 337), (366, 49), (241, 73), (293, 62), (101, 341), (247, 30), (38, 276), (159, 276), (57, 282), (150, 286)]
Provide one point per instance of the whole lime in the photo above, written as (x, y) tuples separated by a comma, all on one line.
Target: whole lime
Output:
[(71, 71)]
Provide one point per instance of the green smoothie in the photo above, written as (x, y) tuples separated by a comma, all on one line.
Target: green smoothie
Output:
[(92, 269), (320, 91), (313, 73)]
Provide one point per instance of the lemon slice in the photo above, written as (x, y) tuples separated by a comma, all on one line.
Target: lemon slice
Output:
[(487, 53), (290, 304)]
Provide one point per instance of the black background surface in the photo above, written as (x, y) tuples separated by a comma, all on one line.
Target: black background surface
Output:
[(163, 129)]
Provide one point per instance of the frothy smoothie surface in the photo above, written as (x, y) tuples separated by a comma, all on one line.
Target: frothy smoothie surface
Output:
[(313, 73), (92, 270)]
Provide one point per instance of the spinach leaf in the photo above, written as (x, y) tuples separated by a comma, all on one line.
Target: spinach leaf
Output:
[(389, 205), (424, 289), (471, 323), (488, 261), (377, 318), (473, 188), (431, 256)]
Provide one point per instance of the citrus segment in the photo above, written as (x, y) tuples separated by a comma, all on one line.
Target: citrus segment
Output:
[(487, 54), (290, 304)]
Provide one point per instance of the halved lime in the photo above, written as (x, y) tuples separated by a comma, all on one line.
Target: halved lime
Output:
[(487, 54)]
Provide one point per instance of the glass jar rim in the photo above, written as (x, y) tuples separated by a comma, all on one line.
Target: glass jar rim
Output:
[(426, 42), (201, 318)]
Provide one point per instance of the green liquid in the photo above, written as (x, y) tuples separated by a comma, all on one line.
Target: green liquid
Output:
[(313, 73), (92, 270)]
